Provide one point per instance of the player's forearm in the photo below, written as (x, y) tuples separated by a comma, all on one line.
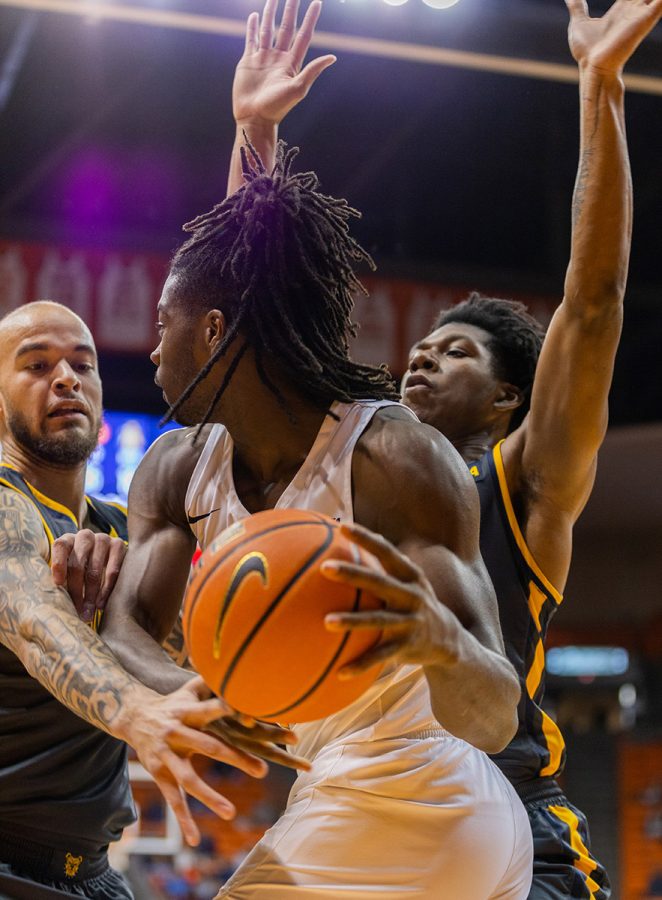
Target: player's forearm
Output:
[(67, 657), (142, 656), (476, 696), (264, 137), (602, 201)]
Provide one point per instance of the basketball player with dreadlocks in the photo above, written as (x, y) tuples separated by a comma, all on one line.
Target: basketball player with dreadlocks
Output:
[(254, 323), (531, 444), (537, 475)]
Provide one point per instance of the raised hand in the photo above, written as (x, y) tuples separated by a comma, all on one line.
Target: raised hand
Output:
[(608, 43), (269, 80)]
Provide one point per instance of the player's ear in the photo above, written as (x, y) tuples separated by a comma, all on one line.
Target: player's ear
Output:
[(509, 397), (215, 328)]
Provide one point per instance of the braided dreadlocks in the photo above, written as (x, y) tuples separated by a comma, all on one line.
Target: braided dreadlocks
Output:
[(278, 258)]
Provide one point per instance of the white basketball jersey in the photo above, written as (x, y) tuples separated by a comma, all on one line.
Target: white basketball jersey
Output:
[(398, 702)]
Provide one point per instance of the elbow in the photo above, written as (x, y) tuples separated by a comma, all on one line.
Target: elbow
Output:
[(499, 725), (501, 735), (506, 726)]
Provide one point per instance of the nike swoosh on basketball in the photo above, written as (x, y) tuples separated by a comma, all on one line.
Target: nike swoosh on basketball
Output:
[(193, 519)]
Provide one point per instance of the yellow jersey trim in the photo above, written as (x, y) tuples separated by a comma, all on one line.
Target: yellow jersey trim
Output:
[(42, 498), (586, 864), (113, 531), (535, 672), (122, 508), (514, 526)]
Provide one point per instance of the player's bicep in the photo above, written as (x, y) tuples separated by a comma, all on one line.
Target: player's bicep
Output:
[(151, 584), (433, 516), (460, 581), (152, 581), (568, 416)]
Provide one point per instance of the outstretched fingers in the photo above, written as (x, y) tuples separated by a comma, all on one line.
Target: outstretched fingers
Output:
[(177, 778), (189, 741), (313, 70), (252, 29), (268, 24), (287, 25), (305, 34), (176, 800)]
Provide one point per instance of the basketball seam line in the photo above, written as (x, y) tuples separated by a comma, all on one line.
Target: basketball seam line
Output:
[(334, 659), (274, 603), (212, 569)]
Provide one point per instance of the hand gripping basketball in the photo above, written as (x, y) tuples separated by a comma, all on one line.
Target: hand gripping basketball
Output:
[(254, 617)]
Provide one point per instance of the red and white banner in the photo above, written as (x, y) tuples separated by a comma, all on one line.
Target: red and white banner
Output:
[(116, 294)]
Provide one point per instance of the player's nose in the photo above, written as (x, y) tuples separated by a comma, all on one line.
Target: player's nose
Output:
[(65, 378), (422, 359)]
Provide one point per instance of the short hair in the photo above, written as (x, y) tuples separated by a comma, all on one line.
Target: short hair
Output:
[(278, 259), (515, 340)]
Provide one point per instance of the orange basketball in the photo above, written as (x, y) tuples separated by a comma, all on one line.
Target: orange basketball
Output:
[(254, 617)]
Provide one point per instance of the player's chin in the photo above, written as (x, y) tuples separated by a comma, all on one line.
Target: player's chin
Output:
[(422, 410), (62, 428)]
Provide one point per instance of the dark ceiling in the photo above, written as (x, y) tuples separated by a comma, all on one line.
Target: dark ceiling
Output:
[(461, 175)]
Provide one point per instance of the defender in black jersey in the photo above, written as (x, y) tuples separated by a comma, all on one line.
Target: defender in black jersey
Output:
[(66, 704), (64, 786), (529, 416)]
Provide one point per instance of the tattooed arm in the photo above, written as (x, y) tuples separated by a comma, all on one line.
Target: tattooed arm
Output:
[(551, 460), (39, 624), (175, 646)]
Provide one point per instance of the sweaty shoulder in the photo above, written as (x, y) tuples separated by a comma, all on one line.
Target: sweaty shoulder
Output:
[(160, 483), (405, 472)]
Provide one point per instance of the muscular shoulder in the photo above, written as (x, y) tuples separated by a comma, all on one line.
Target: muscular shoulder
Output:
[(159, 485), (21, 529), (407, 474)]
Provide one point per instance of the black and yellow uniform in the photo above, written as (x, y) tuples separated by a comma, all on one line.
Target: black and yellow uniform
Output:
[(64, 786), (563, 865)]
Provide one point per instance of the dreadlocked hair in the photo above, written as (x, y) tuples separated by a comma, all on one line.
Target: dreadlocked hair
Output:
[(515, 342), (278, 258)]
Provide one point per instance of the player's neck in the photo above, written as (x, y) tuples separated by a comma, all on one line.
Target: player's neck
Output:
[(64, 485), (472, 444), (472, 447), (271, 442)]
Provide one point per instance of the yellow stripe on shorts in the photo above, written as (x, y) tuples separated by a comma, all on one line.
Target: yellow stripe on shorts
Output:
[(585, 863)]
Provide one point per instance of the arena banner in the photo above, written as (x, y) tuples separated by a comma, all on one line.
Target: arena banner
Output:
[(116, 294)]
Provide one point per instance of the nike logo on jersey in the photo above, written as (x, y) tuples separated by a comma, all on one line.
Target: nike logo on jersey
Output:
[(193, 519)]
